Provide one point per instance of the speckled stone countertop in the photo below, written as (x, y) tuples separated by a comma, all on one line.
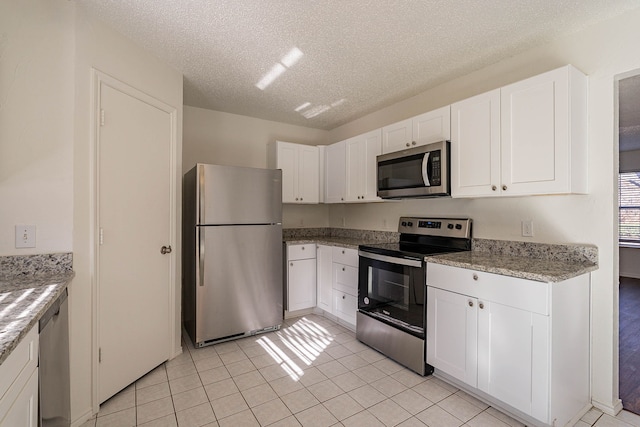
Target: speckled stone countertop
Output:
[(534, 261), (29, 285), (345, 238)]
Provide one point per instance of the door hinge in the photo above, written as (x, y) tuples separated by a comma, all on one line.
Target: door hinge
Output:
[(101, 236), (99, 354), (101, 117)]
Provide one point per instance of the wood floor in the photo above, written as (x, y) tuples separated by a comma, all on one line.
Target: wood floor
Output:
[(630, 344)]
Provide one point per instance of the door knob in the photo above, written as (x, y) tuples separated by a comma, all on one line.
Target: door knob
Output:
[(165, 250)]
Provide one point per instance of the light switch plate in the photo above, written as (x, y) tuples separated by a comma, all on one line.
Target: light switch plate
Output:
[(25, 236)]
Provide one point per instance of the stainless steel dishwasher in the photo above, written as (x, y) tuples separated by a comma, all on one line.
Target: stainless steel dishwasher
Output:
[(53, 371)]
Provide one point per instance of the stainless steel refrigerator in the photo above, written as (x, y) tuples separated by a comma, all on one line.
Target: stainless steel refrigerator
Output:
[(232, 252)]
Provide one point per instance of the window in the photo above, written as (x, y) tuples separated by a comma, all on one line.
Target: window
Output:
[(629, 201)]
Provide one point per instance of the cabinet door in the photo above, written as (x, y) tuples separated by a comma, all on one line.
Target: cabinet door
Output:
[(433, 126), (397, 136), (372, 147), (308, 174), (535, 134), (301, 280), (475, 146), (452, 338), (24, 409), (512, 346), (354, 173), (324, 283), (287, 160), (335, 173)]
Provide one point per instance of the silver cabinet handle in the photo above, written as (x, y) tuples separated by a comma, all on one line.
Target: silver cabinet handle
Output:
[(494, 188), (342, 268), (475, 276), (481, 305), (408, 145), (296, 198), (291, 264), (413, 143), (470, 303), (343, 297), (303, 248), (165, 250), (343, 251), (300, 198), (504, 187)]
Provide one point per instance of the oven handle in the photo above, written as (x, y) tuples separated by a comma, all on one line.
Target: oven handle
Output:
[(391, 260)]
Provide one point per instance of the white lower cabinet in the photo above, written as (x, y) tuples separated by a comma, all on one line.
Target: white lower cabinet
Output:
[(301, 276), (521, 344), (324, 275), (345, 284), (19, 383)]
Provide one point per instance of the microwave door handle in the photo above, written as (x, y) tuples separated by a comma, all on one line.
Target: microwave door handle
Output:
[(425, 172)]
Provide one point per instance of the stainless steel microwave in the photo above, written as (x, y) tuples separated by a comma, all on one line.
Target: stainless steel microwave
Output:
[(417, 172)]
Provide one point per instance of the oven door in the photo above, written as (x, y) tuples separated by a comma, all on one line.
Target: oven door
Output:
[(392, 290)]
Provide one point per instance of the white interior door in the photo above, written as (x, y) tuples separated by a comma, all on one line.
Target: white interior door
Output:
[(134, 217)]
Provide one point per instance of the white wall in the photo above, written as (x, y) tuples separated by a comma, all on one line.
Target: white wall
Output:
[(231, 139), (36, 123), (100, 47), (602, 52)]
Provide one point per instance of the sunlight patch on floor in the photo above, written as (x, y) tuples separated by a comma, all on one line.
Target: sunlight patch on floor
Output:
[(305, 339)]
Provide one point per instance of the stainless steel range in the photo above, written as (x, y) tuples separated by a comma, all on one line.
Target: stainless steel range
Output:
[(392, 287)]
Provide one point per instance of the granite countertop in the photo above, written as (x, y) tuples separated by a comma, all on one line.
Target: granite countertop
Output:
[(538, 269), (29, 285), (343, 242)]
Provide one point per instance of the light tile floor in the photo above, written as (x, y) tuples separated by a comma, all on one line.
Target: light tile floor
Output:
[(312, 372)]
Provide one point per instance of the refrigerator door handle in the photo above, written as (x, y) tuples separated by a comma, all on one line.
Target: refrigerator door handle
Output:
[(200, 257)]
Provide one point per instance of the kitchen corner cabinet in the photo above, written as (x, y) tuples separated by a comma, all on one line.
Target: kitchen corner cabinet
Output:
[(526, 138), (345, 284), (423, 129), (361, 166), (301, 276), (19, 383), (521, 344), (335, 173), (324, 274), (300, 166)]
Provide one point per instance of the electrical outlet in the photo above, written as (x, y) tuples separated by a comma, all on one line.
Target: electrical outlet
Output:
[(527, 228), (25, 236), (344, 221)]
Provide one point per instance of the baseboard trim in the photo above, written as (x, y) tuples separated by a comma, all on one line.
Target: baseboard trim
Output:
[(86, 416), (609, 409)]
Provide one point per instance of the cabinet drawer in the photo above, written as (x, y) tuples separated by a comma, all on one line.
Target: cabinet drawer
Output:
[(305, 251), (511, 291), (345, 256), (19, 365), (345, 278), (345, 306)]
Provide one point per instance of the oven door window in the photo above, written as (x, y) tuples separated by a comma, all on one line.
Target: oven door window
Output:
[(393, 293)]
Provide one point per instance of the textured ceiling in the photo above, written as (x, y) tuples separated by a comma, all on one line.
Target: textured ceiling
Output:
[(353, 56)]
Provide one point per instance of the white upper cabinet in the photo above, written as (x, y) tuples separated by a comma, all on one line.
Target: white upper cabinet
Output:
[(300, 166), (335, 173), (361, 174), (475, 146), (544, 134), (526, 138), (424, 129)]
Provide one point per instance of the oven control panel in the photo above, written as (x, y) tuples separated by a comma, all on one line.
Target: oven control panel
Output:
[(448, 227)]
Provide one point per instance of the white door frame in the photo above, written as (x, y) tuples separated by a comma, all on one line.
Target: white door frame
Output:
[(97, 79)]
